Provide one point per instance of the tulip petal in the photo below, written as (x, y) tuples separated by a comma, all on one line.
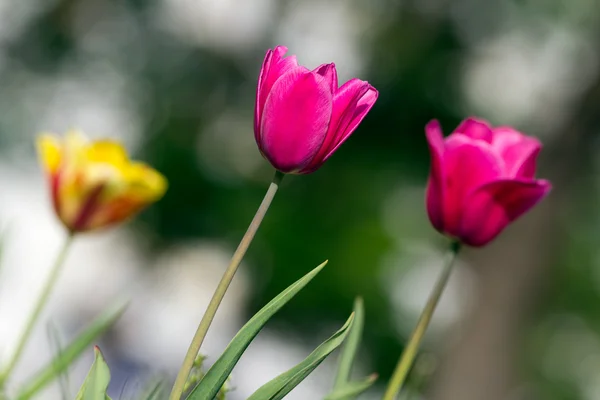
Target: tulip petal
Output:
[(496, 204), (518, 151), (329, 72), (49, 152), (273, 67), (351, 103), (475, 129), (142, 186), (74, 145), (295, 120), (467, 165), (107, 164), (435, 188), (107, 151)]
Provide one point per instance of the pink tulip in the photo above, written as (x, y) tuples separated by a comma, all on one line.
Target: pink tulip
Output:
[(482, 178), (301, 117)]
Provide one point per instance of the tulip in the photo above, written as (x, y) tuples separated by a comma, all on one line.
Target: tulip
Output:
[(94, 184), (482, 179), (301, 117)]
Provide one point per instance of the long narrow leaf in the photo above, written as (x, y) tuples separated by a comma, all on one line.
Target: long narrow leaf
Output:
[(63, 360), (350, 347), (155, 392), (210, 385), (284, 383), (352, 389), (95, 384), (55, 342)]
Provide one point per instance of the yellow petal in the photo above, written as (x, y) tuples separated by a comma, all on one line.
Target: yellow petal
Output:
[(49, 152), (109, 152), (145, 182), (75, 144)]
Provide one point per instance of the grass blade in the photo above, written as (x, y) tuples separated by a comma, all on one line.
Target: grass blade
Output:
[(352, 389), (210, 385), (350, 347), (284, 383), (68, 355), (155, 392), (63, 378)]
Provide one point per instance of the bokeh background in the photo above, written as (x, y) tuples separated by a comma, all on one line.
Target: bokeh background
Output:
[(175, 81)]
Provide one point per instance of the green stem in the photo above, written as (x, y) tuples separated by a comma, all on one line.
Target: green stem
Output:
[(410, 351), (39, 306), (226, 279)]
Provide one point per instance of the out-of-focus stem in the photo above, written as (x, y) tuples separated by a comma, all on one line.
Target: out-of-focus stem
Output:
[(39, 306)]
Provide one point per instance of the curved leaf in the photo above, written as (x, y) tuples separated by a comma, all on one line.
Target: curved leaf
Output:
[(95, 384), (284, 383), (350, 347), (352, 389), (210, 385), (63, 360)]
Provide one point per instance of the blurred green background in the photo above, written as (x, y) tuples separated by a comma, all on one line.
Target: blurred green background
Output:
[(175, 80)]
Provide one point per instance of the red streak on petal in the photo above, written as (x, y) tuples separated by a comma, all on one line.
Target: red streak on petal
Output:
[(54, 188), (88, 209)]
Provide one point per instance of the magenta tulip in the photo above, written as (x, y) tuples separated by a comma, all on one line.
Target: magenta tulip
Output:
[(482, 178), (301, 117)]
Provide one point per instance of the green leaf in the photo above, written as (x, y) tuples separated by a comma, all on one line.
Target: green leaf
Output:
[(55, 342), (284, 383), (95, 384), (63, 360), (155, 392), (210, 385), (350, 347), (351, 390)]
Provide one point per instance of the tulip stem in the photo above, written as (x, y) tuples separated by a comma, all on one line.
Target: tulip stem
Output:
[(39, 306), (410, 351), (217, 297)]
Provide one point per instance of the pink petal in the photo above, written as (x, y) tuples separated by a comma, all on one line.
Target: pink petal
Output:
[(329, 72), (435, 189), (467, 165), (351, 103), (274, 65), (518, 151), (475, 129), (495, 205), (295, 120)]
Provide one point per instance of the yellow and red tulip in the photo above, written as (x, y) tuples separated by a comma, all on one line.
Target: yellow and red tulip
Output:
[(93, 183)]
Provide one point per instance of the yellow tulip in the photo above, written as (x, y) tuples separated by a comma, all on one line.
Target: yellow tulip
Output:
[(93, 183)]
